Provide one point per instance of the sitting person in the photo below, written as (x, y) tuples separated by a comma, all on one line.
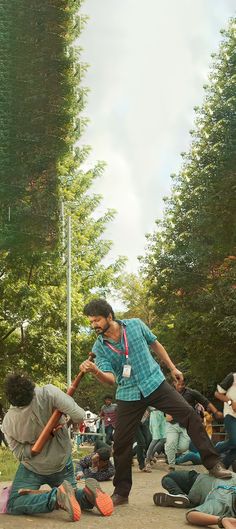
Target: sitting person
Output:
[(210, 499), (191, 456), (31, 408), (96, 465), (177, 440)]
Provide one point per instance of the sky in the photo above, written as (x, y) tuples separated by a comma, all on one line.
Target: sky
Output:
[(148, 63)]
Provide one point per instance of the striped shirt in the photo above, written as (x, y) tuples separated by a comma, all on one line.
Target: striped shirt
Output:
[(146, 374)]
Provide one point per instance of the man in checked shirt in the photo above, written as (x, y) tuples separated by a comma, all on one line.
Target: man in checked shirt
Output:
[(123, 356)]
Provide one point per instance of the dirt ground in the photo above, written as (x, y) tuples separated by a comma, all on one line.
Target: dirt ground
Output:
[(141, 513)]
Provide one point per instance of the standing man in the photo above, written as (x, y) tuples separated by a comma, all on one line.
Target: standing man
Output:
[(108, 414), (123, 355)]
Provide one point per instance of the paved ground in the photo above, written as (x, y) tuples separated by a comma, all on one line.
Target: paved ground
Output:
[(141, 513)]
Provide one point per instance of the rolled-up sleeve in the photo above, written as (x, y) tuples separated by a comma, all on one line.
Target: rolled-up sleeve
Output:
[(148, 335), (102, 360)]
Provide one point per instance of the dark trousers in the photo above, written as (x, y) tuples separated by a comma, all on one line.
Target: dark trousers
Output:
[(180, 481), (109, 433), (129, 414), (143, 438)]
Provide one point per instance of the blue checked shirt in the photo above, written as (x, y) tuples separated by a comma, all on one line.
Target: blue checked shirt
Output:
[(146, 374)]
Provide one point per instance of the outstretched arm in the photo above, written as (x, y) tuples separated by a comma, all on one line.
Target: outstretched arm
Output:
[(201, 518), (162, 354)]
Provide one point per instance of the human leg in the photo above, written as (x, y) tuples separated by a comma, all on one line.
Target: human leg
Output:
[(179, 481), (172, 439), (192, 457), (178, 485), (129, 415), (151, 450), (141, 446), (29, 503), (184, 440), (109, 433), (36, 502), (229, 458), (160, 446), (168, 400)]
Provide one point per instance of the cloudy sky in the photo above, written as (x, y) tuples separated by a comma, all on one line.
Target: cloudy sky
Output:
[(148, 63)]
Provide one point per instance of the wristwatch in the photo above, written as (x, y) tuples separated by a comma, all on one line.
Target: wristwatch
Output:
[(229, 402)]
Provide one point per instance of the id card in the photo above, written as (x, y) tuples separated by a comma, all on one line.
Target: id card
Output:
[(126, 371)]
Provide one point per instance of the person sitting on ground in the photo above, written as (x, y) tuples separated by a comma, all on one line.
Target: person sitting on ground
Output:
[(96, 465), (191, 456), (31, 408), (209, 498), (177, 440)]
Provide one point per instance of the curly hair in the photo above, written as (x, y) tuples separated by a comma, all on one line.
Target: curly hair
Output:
[(19, 389), (98, 307)]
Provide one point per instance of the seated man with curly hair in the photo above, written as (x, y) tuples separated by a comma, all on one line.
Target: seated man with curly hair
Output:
[(31, 408)]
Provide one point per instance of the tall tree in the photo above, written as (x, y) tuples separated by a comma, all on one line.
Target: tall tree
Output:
[(190, 261), (42, 164)]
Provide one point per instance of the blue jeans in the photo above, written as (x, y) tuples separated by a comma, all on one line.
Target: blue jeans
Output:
[(45, 502), (228, 447), (192, 455)]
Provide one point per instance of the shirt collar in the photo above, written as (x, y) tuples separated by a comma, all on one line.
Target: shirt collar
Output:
[(103, 338)]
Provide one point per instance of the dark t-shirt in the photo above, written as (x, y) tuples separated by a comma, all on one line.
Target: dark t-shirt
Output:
[(192, 396)]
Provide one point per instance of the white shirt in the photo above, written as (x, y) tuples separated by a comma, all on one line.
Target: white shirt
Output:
[(228, 387)]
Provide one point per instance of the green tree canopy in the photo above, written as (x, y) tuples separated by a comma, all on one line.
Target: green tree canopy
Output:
[(191, 258)]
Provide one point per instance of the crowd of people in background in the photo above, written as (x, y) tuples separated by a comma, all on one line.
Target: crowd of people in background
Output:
[(158, 438), (150, 419)]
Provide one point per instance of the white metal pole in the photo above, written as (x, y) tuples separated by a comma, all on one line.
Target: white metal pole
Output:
[(68, 301), (63, 231)]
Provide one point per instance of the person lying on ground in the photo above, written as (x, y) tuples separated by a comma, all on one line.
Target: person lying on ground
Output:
[(31, 408), (96, 465), (209, 498)]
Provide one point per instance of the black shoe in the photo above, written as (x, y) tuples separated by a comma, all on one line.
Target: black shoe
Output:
[(219, 471), (163, 499), (119, 500)]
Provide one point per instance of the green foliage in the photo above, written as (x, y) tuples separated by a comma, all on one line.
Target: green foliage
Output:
[(8, 465), (190, 263), (42, 164)]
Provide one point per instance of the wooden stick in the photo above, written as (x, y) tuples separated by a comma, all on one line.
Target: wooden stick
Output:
[(53, 421)]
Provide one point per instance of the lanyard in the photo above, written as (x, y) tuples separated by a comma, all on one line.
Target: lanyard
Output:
[(126, 351)]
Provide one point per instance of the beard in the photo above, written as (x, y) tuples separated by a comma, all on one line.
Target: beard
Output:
[(100, 330)]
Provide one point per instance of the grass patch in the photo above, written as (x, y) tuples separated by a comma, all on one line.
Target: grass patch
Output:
[(8, 464)]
